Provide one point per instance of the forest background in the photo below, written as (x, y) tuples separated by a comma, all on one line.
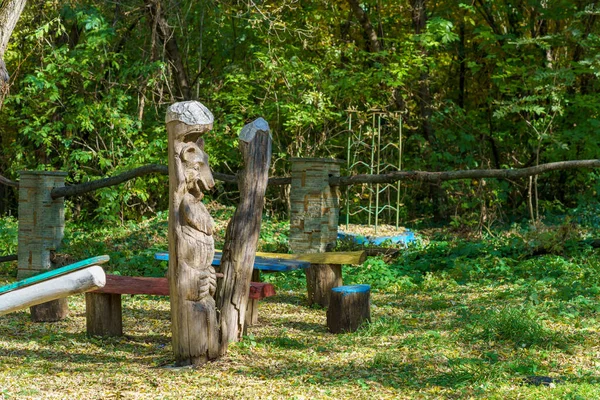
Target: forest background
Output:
[(478, 84)]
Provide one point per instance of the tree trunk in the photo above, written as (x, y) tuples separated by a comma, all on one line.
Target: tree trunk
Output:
[(10, 12), (241, 238), (167, 37), (368, 30), (419, 17)]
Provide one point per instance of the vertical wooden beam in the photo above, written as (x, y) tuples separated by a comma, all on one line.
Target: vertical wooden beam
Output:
[(241, 237), (192, 279)]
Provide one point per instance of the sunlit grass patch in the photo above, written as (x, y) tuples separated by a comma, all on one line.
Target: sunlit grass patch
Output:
[(519, 326)]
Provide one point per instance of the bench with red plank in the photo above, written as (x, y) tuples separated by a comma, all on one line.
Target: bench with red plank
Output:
[(104, 316)]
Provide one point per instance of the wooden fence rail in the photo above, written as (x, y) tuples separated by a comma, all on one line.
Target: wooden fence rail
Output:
[(421, 176)]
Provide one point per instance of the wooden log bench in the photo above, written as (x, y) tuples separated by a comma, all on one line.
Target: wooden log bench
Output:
[(104, 315), (52, 285), (323, 270)]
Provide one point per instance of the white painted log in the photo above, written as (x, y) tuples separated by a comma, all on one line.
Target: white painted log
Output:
[(80, 281)]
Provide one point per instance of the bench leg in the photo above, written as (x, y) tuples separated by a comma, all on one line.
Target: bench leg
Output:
[(52, 311), (103, 314), (320, 279)]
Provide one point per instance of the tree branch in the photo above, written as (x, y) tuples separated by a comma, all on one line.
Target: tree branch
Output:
[(422, 176), (434, 177), (74, 190), (12, 257), (8, 182), (82, 188), (167, 36), (365, 22)]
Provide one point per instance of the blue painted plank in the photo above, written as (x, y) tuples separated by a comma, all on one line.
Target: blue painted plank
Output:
[(352, 289), (404, 238), (54, 273), (260, 263)]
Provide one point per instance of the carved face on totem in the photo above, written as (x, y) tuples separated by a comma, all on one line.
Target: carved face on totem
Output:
[(198, 177)]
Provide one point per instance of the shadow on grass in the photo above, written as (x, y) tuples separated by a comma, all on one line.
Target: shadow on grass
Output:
[(305, 326), (289, 298), (339, 374), (283, 343)]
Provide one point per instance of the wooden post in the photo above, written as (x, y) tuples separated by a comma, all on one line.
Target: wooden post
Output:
[(241, 237), (320, 279), (103, 315), (41, 229), (192, 280), (314, 221), (349, 307)]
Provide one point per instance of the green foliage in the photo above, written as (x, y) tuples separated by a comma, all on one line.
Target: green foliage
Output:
[(478, 85), (8, 236), (8, 244)]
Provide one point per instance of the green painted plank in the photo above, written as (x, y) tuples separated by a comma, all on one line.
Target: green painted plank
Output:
[(54, 273)]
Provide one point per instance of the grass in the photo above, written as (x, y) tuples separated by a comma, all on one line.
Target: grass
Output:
[(450, 319)]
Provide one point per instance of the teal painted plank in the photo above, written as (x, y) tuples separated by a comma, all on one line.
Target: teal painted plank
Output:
[(54, 273)]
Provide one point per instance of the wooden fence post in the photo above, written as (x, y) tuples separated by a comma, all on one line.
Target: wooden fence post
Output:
[(41, 229), (192, 279), (314, 221)]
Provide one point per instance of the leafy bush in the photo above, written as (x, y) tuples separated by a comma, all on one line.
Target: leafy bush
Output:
[(8, 236), (8, 244)]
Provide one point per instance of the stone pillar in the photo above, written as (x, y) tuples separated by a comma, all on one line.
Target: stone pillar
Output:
[(315, 206), (315, 209), (41, 229)]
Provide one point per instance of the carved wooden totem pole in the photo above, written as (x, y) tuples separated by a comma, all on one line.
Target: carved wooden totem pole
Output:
[(192, 279)]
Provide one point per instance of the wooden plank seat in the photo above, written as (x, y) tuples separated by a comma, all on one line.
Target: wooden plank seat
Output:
[(265, 264), (261, 264), (323, 270), (104, 315)]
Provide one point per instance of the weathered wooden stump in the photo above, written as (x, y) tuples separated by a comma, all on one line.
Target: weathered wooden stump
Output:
[(103, 315), (52, 311), (349, 307), (320, 279)]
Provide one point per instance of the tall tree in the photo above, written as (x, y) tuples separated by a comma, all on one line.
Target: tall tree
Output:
[(10, 12)]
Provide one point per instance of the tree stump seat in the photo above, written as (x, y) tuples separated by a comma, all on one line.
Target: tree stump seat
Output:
[(104, 315), (349, 307)]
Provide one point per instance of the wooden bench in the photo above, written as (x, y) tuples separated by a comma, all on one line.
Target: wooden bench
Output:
[(104, 315), (323, 270), (261, 264)]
